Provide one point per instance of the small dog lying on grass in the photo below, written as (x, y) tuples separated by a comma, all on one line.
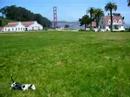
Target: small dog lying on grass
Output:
[(23, 87)]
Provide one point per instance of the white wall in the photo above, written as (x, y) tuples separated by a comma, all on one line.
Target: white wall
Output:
[(120, 28), (34, 26), (107, 28), (18, 28)]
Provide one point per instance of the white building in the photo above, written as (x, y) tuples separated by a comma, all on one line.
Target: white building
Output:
[(32, 26), (21, 26), (118, 23), (14, 27)]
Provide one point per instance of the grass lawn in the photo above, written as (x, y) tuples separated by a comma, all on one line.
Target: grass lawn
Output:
[(66, 64)]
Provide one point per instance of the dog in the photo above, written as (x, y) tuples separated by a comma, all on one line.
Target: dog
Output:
[(23, 87)]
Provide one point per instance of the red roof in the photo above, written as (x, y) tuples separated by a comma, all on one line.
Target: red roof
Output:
[(116, 19), (12, 24), (28, 23)]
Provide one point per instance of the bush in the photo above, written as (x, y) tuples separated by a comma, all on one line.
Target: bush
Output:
[(128, 29), (82, 30), (86, 30)]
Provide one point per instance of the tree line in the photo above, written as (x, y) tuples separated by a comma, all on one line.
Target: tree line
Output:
[(95, 14), (21, 14)]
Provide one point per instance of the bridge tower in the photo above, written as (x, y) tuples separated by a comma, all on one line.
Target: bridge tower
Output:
[(54, 16)]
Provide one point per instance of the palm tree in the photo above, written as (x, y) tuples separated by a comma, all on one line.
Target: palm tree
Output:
[(85, 20), (91, 13), (110, 7), (128, 2), (98, 14)]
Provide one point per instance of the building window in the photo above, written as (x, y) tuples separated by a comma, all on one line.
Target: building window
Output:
[(115, 21)]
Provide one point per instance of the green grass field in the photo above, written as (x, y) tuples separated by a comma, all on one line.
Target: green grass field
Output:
[(66, 64)]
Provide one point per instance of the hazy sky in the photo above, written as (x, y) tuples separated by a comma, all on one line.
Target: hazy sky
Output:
[(68, 10)]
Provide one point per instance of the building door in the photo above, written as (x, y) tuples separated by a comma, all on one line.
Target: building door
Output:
[(26, 29)]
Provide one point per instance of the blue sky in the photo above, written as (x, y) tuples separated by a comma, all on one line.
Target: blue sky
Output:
[(68, 10)]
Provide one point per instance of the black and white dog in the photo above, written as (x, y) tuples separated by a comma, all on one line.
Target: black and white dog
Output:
[(23, 87)]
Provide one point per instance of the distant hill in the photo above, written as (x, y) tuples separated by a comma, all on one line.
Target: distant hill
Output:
[(72, 25), (76, 25)]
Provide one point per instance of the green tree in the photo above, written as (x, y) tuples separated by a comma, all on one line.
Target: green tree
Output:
[(110, 7), (91, 12), (42, 20), (4, 22), (21, 14), (3, 11), (98, 13), (85, 20)]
